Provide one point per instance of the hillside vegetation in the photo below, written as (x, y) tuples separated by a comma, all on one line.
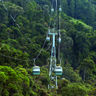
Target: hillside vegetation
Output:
[(23, 28)]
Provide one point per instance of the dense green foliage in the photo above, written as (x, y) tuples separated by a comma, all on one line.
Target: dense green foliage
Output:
[(81, 9), (22, 39)]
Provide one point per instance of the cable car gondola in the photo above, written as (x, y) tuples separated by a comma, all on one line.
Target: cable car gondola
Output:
[(58, 70), (60, 9), (36, 70), (52, 10), (59, 39), (48, 38)]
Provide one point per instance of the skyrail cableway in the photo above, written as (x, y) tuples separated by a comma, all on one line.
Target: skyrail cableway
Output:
[(53, 33)]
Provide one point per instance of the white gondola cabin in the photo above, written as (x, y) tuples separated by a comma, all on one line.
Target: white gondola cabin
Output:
[(60, 9), (48, 38), (59, 39), (58, 70), (52, 10), (36, 70)]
